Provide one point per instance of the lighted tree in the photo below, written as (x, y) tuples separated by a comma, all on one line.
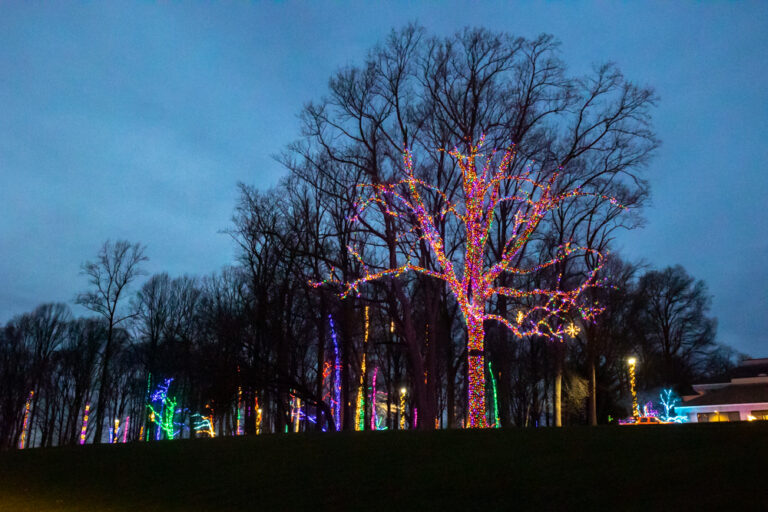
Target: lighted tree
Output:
[(163, 415), (471, 278)]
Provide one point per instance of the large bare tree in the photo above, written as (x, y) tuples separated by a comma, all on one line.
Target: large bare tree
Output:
[(117, 265), (426, 93)]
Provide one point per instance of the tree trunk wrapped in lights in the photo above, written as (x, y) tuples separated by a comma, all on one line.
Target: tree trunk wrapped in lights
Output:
[(475, 284)]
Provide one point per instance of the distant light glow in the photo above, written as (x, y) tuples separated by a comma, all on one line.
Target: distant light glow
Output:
[(84, 428), (25, 425)]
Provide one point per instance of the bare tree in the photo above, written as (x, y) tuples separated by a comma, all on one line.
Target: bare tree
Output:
[(117, 265), (672, 323)]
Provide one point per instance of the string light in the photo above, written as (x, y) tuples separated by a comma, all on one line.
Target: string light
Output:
[(163, 418), (336, 402), (475, 285), (669, 400), (146, 397), (373, 398), (25, 425), (360, 408), (84, 428), (496, 423), (296, 412), (257, 414), (402, 408), (115, 430), (572, 330), (204, 424), (239, 429), (635, 409)]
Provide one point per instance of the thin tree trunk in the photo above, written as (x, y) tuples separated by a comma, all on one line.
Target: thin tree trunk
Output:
[(101, 403), (558, 386), (592, 392)]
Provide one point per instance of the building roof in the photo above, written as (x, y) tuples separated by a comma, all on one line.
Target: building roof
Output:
[(747, 369), (750, 368), (733, 394)]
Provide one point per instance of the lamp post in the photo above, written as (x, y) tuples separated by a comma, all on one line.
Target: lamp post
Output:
[(635, 409)]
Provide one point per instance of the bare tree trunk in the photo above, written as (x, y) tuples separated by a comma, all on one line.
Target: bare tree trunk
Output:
[(558, 386), (592, 391)]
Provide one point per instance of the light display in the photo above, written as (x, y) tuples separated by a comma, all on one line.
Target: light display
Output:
[(496, 422), (360, 408), (336, 402), (669, 400), (296, 412), (572, 330), (125, 428), (148, 413), (239, 428), (204, 424), (373, 399), (402, 408), (84, 428), (257, 414), (635, 409), (475, 285), (113, 435), (648, 410), (164, 417), (25, 425)]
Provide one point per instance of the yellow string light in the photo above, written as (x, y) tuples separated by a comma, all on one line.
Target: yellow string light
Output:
[(635, 408), (402, 408), (359, 410)]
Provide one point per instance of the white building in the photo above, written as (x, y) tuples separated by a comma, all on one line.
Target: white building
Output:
[(741, 396)]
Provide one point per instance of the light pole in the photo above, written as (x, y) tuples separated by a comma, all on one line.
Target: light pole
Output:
[(635, 409)]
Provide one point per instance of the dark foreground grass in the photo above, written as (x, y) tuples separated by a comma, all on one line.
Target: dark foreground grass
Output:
[(674, 467)]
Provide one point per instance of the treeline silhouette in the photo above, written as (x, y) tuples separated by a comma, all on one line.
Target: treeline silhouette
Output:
[(251, 349)]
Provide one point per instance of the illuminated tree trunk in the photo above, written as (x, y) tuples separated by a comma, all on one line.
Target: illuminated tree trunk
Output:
[(476, 365)]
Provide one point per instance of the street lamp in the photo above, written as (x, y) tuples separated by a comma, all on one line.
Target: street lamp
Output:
[(635, 409)]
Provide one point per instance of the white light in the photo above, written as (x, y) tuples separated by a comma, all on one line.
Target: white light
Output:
[(632, 360)]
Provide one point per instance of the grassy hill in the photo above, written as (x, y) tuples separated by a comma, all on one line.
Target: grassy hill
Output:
[(682, 467)]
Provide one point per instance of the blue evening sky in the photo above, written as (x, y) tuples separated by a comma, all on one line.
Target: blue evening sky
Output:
[(135, 120)]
